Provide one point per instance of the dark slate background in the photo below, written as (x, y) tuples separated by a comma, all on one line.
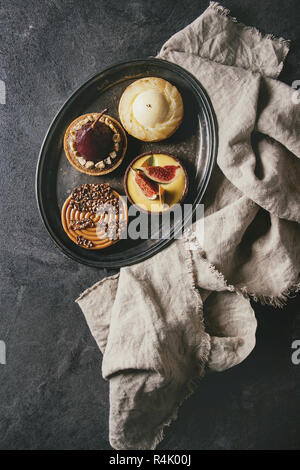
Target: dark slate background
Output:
[(52, 395)]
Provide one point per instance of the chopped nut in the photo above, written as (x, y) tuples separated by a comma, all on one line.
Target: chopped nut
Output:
[(117, 146), (84, 242), (81, 224), (116, 138), (89, 164), (113, 154), (108, 160), (83, 197), (100, 165), (82, 161), (73, 146)]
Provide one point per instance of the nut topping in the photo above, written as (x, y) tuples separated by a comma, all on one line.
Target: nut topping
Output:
[(116, 138), (84, 197), (81, 241), (82, 161), (100, 165), (81, 224)]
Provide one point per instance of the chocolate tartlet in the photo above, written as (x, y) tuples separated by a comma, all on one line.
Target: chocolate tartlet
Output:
[(94, 216), (95, 143)]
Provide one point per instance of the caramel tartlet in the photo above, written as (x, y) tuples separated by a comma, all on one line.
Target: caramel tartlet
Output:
[(94, 216), (95, 143)]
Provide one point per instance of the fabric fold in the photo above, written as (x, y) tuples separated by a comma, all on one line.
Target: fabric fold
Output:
[(156, 355)]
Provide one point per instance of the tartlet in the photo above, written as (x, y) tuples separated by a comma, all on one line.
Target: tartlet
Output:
[(94, 216), (112, 144), (151, 109), (162, 196)]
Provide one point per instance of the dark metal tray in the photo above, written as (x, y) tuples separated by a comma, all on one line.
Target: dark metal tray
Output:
[(195, 144)]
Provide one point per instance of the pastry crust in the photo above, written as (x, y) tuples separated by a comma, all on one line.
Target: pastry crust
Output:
[(169, 100), (75, 159)]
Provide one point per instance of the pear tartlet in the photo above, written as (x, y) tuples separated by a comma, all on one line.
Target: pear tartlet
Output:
[(94, 216), (95, 143), (155, 182), (151, 109)]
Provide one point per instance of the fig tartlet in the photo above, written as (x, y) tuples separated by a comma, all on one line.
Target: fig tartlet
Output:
[(94, 216), (154, 182), (95, 143), (151, 109)]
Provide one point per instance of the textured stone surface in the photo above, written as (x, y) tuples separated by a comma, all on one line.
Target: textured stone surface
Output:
[(52, 395)]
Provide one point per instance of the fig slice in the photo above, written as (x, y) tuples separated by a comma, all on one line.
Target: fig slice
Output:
[(162, 174), (150, 189)]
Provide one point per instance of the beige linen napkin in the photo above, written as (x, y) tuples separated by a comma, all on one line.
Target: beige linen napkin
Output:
[(163, 323)]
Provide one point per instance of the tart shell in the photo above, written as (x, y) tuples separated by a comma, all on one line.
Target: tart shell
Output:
[(68, 213), (74, 160)]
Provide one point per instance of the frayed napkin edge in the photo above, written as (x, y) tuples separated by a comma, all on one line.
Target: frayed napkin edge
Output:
[(285, 43)]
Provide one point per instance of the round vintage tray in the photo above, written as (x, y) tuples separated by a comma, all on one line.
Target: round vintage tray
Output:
[(195, 144)]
